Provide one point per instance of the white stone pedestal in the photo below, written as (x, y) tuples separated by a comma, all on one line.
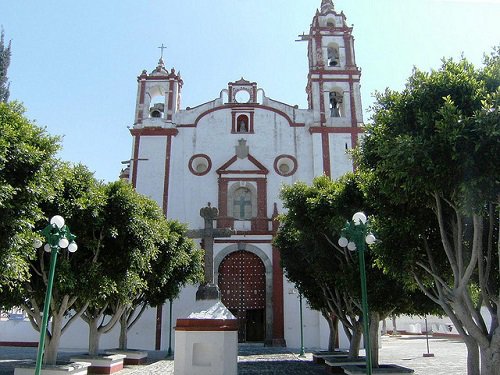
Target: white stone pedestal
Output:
[(206, 342)]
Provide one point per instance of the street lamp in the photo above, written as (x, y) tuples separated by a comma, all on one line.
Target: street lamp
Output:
[(58, 237), (302, 352), (353, 236)]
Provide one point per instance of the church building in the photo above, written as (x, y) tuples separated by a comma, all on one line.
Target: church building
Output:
[(234, 153)]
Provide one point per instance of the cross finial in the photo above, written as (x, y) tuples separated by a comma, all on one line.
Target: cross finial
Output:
[(162, 47)]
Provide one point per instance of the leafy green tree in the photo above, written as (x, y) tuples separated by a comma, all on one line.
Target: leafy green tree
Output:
[(431, 161), (4, 65), (26, 163), (144, 259), (178, 262), (327, 274), (79, 198)]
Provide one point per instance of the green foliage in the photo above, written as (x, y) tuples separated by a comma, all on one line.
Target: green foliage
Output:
[(4, 66), (26, 161), (311, 258), (431, 167)]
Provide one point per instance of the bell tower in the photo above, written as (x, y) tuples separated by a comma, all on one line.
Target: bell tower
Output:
[(333, 87), (158, 96)]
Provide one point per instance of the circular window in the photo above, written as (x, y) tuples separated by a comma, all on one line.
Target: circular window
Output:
[(285, 165), (242, 96), (200, 164)]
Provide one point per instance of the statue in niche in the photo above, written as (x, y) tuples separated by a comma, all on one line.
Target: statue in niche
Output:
[(242, 126)]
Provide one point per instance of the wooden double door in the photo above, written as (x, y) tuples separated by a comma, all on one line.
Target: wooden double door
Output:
[(242, 282)]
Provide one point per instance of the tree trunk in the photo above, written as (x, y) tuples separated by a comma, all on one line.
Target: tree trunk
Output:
[(355, 342), (472, 356), (122, 342), (52, 343), (394, 327), (333, 324), (490, 356), (374, 332), (94, 336)]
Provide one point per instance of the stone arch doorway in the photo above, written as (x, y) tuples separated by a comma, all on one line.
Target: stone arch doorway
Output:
[(244, 284)]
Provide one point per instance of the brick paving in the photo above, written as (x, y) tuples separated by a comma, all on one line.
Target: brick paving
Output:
[(407, 351)]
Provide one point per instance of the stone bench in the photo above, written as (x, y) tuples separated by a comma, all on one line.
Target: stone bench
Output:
[(319, 357), (334, 365), (382, 369)]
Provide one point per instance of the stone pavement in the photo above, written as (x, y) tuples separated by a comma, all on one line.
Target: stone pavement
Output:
[(449, 359)]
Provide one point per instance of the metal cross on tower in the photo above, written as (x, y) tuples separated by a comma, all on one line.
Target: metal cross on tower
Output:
[(162, 47)]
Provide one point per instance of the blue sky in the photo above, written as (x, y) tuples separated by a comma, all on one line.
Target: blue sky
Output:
[(74, 63)]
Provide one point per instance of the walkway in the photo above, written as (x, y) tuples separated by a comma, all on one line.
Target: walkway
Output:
[(449, 359)]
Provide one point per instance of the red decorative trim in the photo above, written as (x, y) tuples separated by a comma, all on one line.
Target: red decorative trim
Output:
[(135, 158), (325, 144), (223, 186), (154, 131), (234, 125), (170, 106), (261, 221), (321, 103), (354, 120), (324, 129), (245, 241), (333, 79), (260, 168), (206, 325), (166, 179), (134, 361), (250, 105), (21, 344), (105, 369), (292, 171), (142, 94), (204, 156)]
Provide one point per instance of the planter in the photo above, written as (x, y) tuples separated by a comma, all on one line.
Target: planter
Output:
[(334, 365), (102, 364), (321, 356), (132, 357), (64, 368), (382, 369)]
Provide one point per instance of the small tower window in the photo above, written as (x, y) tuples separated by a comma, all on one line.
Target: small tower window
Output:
[(330, 22), (242, 204), (242, 124), (336, 107), (333, 56)]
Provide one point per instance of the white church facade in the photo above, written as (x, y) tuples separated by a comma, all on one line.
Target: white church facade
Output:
[(236, 152)]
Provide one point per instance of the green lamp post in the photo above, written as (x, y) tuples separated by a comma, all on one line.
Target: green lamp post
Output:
[(353, 236), (57, 236), (302, 352)]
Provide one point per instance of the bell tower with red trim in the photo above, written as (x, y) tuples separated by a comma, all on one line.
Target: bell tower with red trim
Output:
[(333, 87)]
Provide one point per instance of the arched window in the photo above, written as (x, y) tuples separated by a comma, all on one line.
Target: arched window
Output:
[(336, 104), (242, 204), (242, 124), (333, 55)]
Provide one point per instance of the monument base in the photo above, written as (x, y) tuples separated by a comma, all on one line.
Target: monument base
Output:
[(208, 292), (206, 342)]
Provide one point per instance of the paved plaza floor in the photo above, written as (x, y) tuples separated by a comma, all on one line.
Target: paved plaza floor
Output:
[(449, 358)]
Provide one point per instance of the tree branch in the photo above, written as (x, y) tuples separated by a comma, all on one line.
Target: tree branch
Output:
[(444, 239)]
